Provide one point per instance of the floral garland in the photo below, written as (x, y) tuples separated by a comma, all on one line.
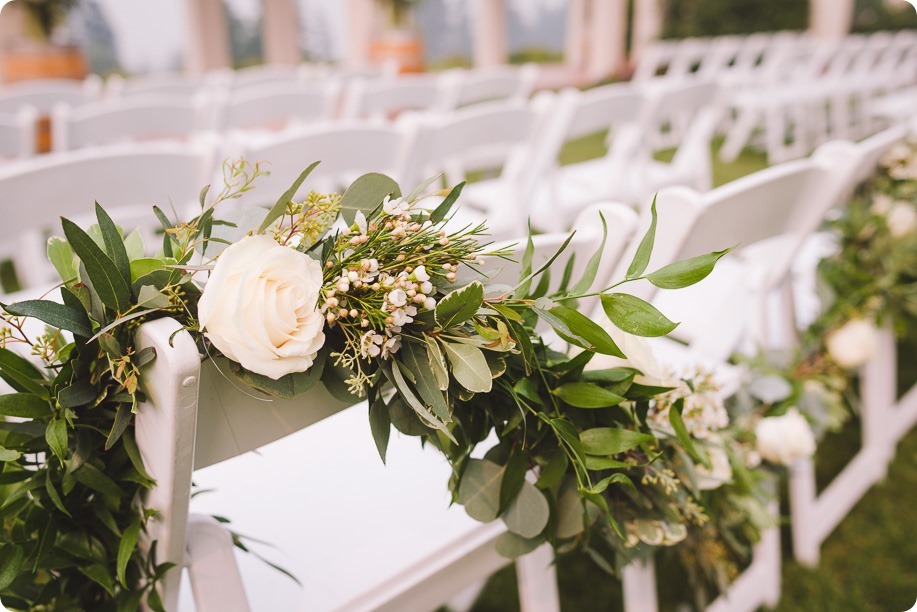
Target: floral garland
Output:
[(363, 293)]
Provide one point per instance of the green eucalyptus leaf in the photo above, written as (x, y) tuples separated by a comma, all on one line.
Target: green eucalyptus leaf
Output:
[(366, 193), (687, 272), (469, 367), (24, 405), (479, 491), (513, 478), (512, 546), (528, 515), (280, 207), (80, 393), (612, 440), (635, 316)]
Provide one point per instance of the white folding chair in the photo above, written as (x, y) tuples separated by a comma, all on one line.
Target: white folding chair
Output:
[(392, 543), (383, 98), (126, 180), (140, 118), (17, 133), (489, 84), (44, 94), (171, 84), (499, 136), (566, 190), (276, 106)]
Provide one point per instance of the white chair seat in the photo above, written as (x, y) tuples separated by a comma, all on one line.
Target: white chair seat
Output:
[(341, 488)]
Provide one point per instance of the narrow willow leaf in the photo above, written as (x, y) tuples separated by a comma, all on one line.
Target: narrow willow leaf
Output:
[(92, 477), (24, 405), (479, 491), (579, 329), (592, 267), (604, 463), (61, 257), (122, 420), (126, 549), (415, 360), (619, 478), (111, 286), (21, 374), (278, 209), (380, 424), (635, 316), (407, 394), (437, 362), (513, 477), (526, 282), (58, 315), (645, 250), (53, 494), (420, 189), (98, 573), (509, 313), (79, 393), (133, 452), (587, 395), (681, 432), (522, 288), (528, 515), (460, 305), (440, 212), (612, 440), (12, 557), (114, 244), (366, 193), (56, 437), (469, 367), (687, 272)]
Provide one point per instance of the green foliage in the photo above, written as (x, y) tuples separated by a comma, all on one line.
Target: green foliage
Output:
[(686, 18)]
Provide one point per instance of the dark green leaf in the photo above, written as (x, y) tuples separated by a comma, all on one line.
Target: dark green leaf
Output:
[(114, 245), (98, 573), (79, 393), (92, 477), (380, 424), (612, 440), (414, 357), (122, 420), (513, 477), (11, 559), (681, 432), (113, 290), (592, 267), (287, 386), (52, 493), (24, 405), (635, 316), (579, 329), (280, 207), (366, 193), (619, 478), (440, 212), (686, 272), (522, 289), (126, 549), (645, 250), (587, 395), (59, 315), (133, 452), (56, 436), (21, 374)]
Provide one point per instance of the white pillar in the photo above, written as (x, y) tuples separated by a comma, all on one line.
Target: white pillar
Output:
[(576, 36), (607, 37), (648, 21), (208, 36), (488, 31), (280, 33), (12, 27), (830, 19), (360, 25)]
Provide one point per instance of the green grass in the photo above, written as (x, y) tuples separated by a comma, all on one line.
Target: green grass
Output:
[(868, 564)]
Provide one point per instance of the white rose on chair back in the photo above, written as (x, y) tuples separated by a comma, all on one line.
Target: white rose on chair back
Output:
[(852, 344), (784, 439), (260, 307)]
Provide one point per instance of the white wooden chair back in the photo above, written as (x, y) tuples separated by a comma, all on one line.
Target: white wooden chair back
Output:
[(195, 417), (44, 94), (276, 105), (266, 75), (139, 118), (126, 180), (495, 83), (868, 152), (383, 98), (346, 151), (18, 133), (156, 84)]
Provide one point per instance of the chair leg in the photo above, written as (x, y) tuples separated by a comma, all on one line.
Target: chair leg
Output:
[(639, 578), (538, 581), (215, 578), (739, 135)]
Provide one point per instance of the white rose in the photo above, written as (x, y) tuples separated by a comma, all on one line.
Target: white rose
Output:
[(852, 344), (259, 307), (784, 439), (901, 219), (720, 471)]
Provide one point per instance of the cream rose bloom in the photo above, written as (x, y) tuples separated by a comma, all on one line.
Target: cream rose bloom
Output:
[(901, 219), (852, 344), (259, 307), (720, 471), (784, 439)]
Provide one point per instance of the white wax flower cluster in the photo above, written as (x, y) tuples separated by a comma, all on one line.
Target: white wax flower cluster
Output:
[(785, 439), (852, 344), (259, 307)]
